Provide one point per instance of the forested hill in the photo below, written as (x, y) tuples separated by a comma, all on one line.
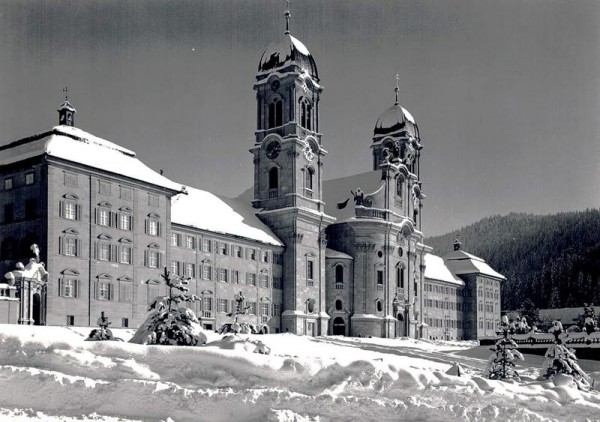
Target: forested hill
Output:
[(553, 259)]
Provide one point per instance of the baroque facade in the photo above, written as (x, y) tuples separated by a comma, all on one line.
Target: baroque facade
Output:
[(306, 257)]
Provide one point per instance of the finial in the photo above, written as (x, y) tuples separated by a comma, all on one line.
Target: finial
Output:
[(457, 243), (287, 17), (397, 89), (66, 91)]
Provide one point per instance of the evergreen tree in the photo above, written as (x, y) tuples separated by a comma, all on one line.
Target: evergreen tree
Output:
[(170, 322), (555, 298), (588, 321), (530, 312), (501, 363)]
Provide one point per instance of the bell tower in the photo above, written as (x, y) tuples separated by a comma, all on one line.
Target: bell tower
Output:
[(288, 163), (66, 112)]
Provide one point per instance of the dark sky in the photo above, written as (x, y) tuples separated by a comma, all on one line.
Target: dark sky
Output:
[(506, 93)]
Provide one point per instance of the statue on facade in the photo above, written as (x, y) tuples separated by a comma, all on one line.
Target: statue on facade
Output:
[(359, 197)]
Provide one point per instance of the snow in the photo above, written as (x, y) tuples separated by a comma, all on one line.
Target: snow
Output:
[(461, 262), (207, 211), (435, 269), (333, 254), (73, 144), (52, 374)]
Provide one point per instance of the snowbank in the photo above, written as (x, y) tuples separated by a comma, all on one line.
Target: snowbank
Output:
[(50, 372)]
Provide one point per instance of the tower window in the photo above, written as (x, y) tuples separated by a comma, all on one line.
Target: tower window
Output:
[(305, 114), (308, 179), (275, 113), (338, 305), (339, 274), (274, 178)]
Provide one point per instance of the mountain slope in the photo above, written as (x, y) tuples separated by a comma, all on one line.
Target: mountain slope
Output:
[(554, 259)]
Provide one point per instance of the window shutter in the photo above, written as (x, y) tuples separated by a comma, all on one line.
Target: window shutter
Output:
[(146, 258), (159, 228), (146, 226), (76, 287), (130, 222), (110, 291), (247, 253), (95, 215), (95, 250), (78, 247), (114, 253), (160, 260), (96, 290), (61, 245), (78, 212), (60, 286), (61, 208)]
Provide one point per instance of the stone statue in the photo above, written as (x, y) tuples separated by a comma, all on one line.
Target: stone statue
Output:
[(359, 197), (36, 252)]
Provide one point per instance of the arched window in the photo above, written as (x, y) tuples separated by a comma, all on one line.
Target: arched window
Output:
[(275, 113), (379, 306), (400, 277), (305, 114), (274, 178), (339, 274), (338, 305)]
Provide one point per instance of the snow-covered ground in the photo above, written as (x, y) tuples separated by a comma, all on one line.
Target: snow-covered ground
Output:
[(51, 374)]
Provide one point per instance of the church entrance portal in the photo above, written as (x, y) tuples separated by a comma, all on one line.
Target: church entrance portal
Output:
[(339, 327)]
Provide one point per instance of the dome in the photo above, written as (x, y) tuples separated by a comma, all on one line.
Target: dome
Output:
[(289, 50), (396, 119)]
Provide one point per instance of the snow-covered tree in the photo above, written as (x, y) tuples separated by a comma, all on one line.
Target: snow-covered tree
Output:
[(103, 333), (530, 312), (170, 322), (501, 364), (561, 364), (588, 321)]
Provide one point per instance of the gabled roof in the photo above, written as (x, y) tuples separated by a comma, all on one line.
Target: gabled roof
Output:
[(436, 269), (461, 263), (206, 211), (75, 145)]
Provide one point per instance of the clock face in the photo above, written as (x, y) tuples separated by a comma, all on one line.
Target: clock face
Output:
[(308, 153), (273, 150)]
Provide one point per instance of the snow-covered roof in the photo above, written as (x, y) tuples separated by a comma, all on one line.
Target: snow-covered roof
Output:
[(289, 50), (207, 211), (436, 269), (395, 119), (461, 262), (333, 254), (73, 144)]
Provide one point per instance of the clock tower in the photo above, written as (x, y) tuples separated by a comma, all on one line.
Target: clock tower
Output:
[(288, 163)]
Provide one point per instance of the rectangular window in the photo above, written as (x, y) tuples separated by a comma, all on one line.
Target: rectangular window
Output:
[(153, 259), (29, 178), (68, 288), (189, 270), (70, 246), (276, 310), (264, 312), (71, 180), (175, 267), (235, 276), (103, 290), (379, 277), (8, 183), (251, 279), (310, 269), (223, 248), (125, 221), (103, 187), (125, 255), (222, 274), (153, 227), (190, 243), (175, 239), (125, 291), (206, 245), (103, 217), (125, 322), (223, 305), (207, 307), (70, 320), (103, 251), (264, 280), (153, 200), (251, 252), (125, 193), (238, 251), (9, 213), (265, 256), (252, 308), (206, 272)]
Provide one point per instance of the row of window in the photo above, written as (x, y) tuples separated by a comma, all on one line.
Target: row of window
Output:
[(104, 289), (104, 188), (489, 306), (434, 288), (223, 248), (489, 324), (275, 113), (9, 182), (445, 323), (443, 304), (30, 211), (207, 272)]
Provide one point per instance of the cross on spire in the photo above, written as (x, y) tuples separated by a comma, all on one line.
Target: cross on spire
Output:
[(397, 89), (287, 17), (66, 91)]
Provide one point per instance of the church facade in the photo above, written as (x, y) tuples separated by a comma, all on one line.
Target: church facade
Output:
[(304, 255)]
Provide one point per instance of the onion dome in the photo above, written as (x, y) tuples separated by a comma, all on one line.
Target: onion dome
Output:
[(287, 52), (394, 120)]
